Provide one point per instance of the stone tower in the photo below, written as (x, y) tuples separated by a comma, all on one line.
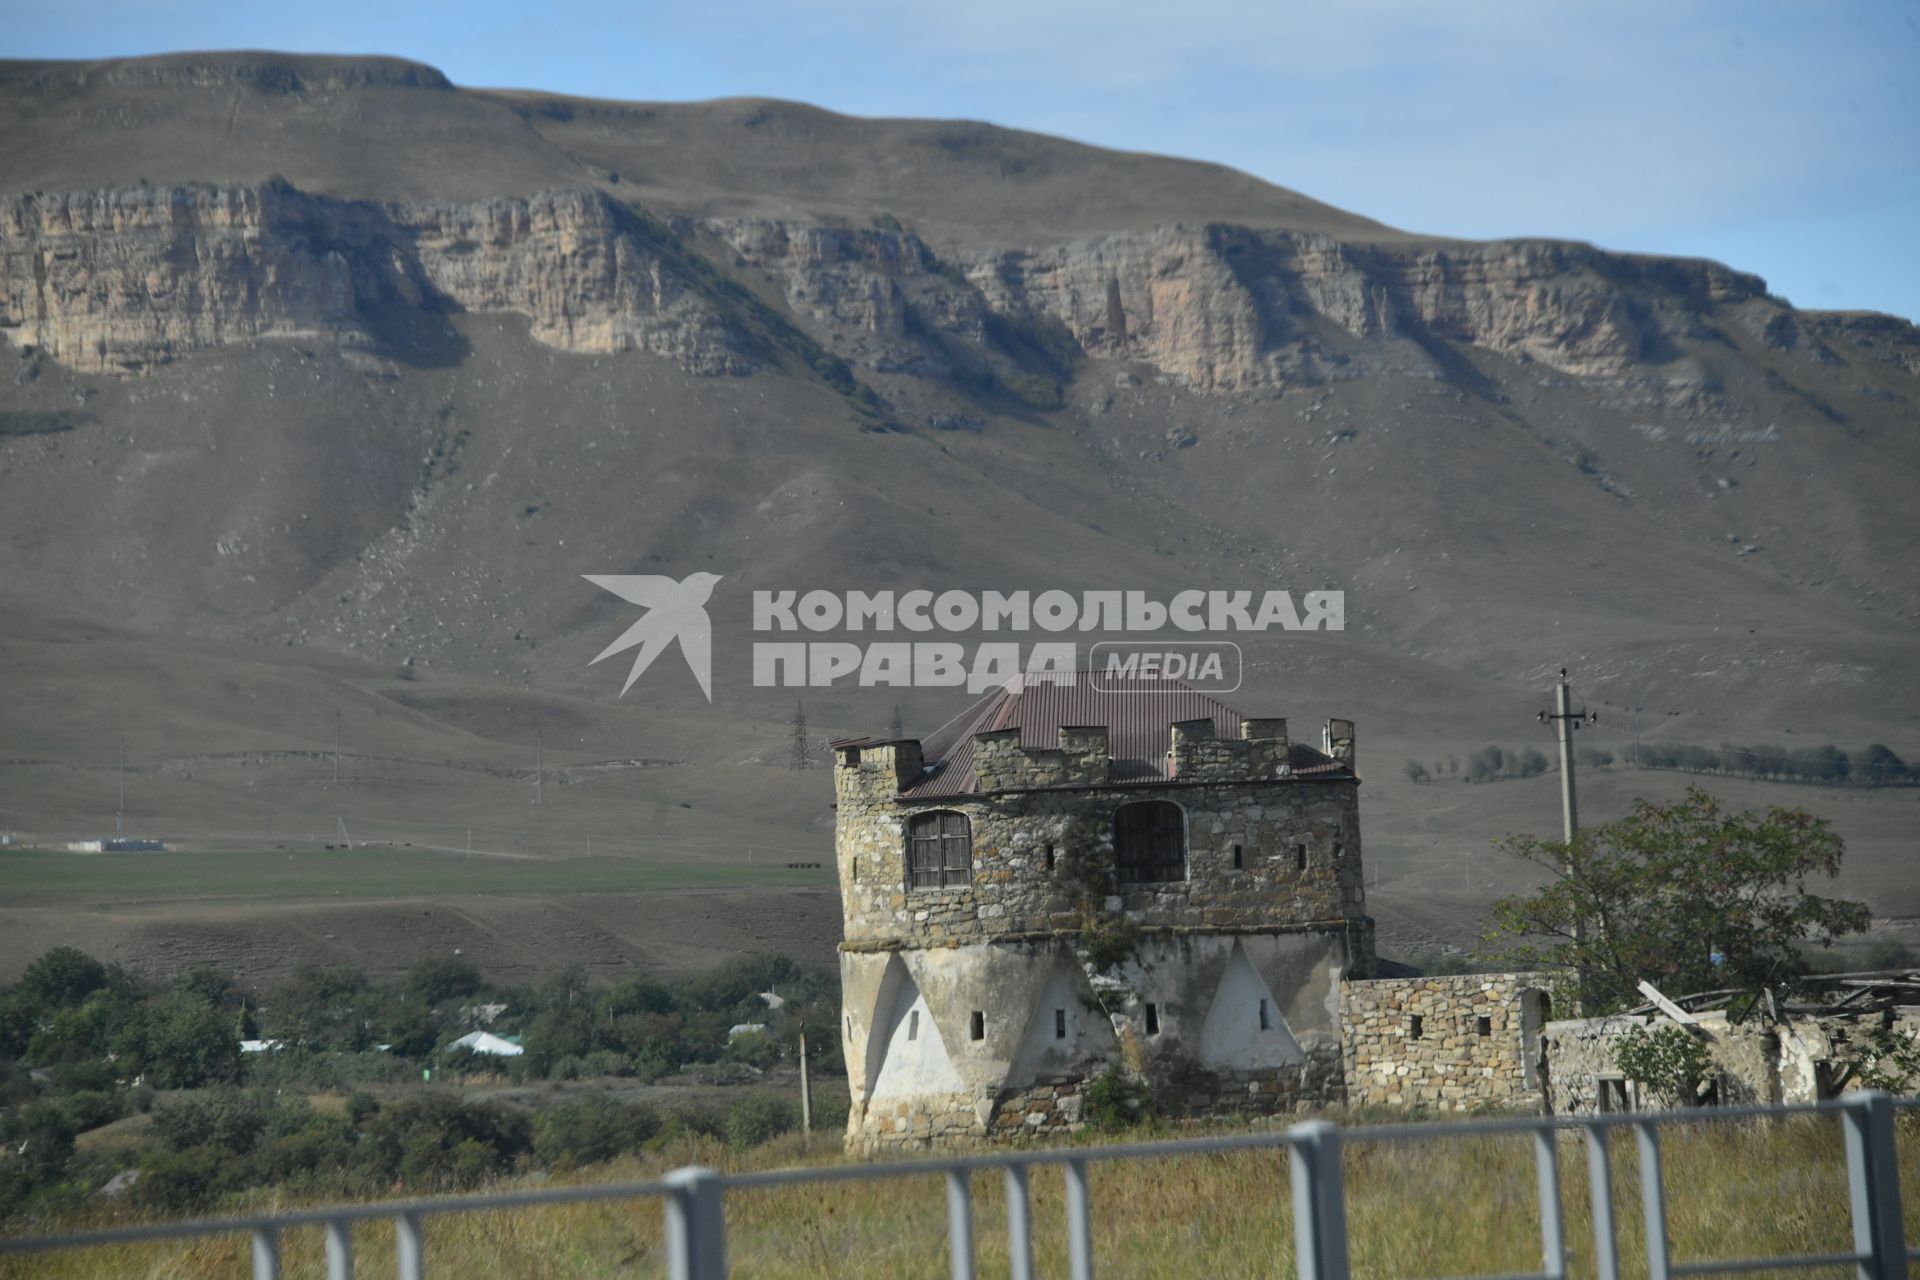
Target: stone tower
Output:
[(1065, 884)]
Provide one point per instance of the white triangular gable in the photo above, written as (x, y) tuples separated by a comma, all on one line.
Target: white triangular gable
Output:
[(1065, 1002), (1232, 1037), (911, 1057)]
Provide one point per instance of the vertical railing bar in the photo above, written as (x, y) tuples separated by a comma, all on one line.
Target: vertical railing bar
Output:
[(1319, 1201), (1653, 1199), (1553, 1236), (339, 1236), (696, 1225), (1079, 1221), (266, 1254), (409, 1247), (1873, 1187), (1606, 1249), (1019, 1225), (960, 1224)]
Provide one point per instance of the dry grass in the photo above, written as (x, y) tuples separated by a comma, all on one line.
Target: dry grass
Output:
[(1415, 1209)]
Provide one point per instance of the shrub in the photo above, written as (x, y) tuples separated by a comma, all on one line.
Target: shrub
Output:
[(1668, 1060), (91, 1108), (1114, 1102), (181, 1181), (435, 1140), (758, 1119), (41, 1142), (590, 1129), (230, 1119)]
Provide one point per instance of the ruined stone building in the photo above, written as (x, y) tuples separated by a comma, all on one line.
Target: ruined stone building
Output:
[(1064, 885), (1489, 1041)]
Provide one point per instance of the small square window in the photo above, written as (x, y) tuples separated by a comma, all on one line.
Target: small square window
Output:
[(1483, 1025), (853, 757), (1059, 1024), (1299, 857), (977, 1026), (1266, 1017), (913, 1025), (1153, 1019), (1416, 1027), (1239, 858), (1049, 857)]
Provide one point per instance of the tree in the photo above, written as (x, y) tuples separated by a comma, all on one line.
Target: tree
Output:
[(441, 978), (62, 977), (1879, 764), (188, 1043), (1684, 895), (1416, 772), (1486, 763)]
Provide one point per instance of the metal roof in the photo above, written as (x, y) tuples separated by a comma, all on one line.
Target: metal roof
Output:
[(1137, 714)]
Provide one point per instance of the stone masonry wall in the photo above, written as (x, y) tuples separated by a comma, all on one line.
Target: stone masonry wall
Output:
[(1060, 1108), (1298, 863), (1580, 1054), (1455, 1062)]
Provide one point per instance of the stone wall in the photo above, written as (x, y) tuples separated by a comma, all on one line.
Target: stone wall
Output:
[(987, 1041), (1457, 1043), (1039, 853), (1580, 1055)]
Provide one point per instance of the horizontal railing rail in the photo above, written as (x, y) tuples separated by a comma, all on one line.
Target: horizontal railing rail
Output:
[(694, 1199)]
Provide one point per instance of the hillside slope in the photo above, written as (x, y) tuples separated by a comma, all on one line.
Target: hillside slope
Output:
[(329, 380)]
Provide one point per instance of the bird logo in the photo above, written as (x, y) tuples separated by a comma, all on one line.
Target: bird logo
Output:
[(675, 611)]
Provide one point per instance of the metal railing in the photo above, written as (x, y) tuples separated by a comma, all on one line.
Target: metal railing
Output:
[(694, 1199)]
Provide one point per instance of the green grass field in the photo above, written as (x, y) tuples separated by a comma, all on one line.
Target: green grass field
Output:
[(36, 877), (1456, 1207)]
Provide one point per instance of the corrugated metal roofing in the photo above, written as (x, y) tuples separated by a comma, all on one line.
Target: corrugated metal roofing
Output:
[(1138, 718)]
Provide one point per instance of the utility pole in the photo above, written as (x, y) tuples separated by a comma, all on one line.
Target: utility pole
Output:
[(1565, 720), (806, 1088), (539, 766), (336, 747), (120, 814)]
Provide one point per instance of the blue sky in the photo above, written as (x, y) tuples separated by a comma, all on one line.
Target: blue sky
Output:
[(1782, 138)]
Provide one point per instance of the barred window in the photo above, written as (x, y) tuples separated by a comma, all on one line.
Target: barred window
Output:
[(939, 850), (1150, 842)]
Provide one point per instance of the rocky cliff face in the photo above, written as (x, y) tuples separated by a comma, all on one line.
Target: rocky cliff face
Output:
[(124, 279), (1231, 309)]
